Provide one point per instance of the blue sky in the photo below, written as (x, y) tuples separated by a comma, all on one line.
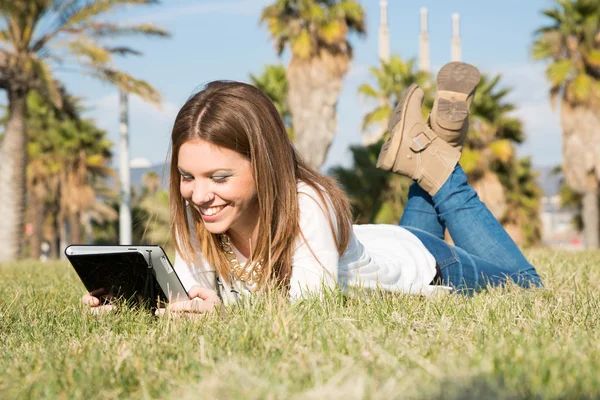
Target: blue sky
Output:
[(222, 39)]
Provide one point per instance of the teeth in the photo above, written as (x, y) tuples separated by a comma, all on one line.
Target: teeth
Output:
[(211, 210)]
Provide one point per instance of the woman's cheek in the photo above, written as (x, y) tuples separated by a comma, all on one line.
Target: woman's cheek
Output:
[(185, 190)]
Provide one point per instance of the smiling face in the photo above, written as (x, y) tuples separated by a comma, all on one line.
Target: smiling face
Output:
[(219, 183)]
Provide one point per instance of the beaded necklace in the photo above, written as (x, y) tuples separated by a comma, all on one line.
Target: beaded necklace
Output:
[(248, 276)]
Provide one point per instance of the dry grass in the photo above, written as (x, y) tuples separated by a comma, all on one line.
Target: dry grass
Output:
[(497, 344)]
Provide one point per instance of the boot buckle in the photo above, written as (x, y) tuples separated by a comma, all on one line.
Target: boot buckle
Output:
[(420, 142)]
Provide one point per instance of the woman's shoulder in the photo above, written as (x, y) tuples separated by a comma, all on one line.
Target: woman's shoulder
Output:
[(311, 198), (303, 187)]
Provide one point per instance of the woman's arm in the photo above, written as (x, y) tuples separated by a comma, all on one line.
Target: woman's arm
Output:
[(315, 260), (195, 273)]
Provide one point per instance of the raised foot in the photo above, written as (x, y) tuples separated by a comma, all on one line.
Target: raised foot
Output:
[(458, 79), (452, 114)]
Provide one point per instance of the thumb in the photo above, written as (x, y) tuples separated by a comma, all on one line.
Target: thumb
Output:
[(202, 293)]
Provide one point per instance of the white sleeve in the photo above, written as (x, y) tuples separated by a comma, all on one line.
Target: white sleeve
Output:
[(199, 272), (315, 260)]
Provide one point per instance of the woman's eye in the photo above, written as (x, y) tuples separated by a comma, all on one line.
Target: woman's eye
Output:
[(219, 179), (186, 178)]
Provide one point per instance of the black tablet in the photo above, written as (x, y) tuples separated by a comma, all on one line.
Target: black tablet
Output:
[(136, 274)]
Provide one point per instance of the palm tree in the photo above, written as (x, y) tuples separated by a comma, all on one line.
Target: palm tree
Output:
[(505, 183), (523, 196), (37, 36), (67, 157), (151, 182), (41, 168), (393, 77), (378, 196), (317, 33), (365, 185), (151, 222), (273, 82), (571, 43), (490, 142), (85, 155), (154, 220)]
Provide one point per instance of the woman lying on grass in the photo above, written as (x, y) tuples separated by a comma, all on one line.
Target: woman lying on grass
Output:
[(249, 214)]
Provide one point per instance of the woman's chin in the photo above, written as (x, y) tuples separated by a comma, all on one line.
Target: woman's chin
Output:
[(216, 229)]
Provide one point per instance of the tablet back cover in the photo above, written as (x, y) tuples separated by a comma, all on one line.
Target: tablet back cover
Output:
[(115, 275)]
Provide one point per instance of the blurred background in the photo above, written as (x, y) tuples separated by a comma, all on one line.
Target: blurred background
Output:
[(91, 89)]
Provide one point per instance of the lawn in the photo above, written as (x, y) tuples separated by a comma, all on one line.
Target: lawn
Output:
[(498, 344)]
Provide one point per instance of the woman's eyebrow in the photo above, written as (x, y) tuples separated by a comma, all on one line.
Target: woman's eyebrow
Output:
[(225, 170)]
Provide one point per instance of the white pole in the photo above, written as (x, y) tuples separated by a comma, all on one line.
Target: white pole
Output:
[(124, 174), (424, 64), (456, 50), (384, 32)]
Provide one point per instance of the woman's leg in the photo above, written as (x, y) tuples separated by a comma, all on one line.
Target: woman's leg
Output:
[(473, 227), (468, 273), (420, 213), (414, 149)]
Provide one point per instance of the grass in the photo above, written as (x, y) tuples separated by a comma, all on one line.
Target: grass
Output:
[(497, 344)]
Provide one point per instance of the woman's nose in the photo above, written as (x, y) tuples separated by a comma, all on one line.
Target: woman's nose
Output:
[(202, 193)]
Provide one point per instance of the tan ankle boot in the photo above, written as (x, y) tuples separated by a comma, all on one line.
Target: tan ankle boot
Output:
[(413, 149), (456, 84)]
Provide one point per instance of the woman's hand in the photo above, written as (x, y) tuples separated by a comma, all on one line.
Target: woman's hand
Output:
[(96, 305), (202, 301)]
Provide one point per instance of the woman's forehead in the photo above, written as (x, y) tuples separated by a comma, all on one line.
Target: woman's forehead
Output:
[(198, 154)]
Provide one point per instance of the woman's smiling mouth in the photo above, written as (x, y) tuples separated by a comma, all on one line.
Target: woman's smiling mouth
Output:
[(211, 211)]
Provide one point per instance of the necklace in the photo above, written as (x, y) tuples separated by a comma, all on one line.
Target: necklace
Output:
[(241, 273)]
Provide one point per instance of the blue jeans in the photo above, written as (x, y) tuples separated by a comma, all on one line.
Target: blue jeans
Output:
[(483, 254)]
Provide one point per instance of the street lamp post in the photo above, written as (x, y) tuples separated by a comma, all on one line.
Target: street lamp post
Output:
[(124, 173)]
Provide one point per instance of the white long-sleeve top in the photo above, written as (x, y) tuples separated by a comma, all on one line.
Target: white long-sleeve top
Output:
[(378, 257)]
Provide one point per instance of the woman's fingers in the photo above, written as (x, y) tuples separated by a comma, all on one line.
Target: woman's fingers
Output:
[(90, 300), (93, 300), (203, 300), (203, 293), (103, 309), (196, 305)]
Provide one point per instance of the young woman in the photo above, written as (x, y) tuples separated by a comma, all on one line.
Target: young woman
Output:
[(249, 214)]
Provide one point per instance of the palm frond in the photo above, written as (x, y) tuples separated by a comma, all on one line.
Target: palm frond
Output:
[(310, 26), (559, 72), (378, 116), (89, 52), (580, 89), (76, 16), (98, 29), (128, 83), (367, 90), (48, 85)]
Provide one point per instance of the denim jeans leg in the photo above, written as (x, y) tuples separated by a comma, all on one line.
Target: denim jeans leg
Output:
[(467, 273), (473, 227), (484, 273), (419, 212)]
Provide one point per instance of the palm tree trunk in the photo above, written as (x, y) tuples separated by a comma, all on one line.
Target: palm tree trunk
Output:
[(314, 88), (63, 240), (54, 235), (36, 206), (75, 228), (581, 163), (12, 176), (591, 216)]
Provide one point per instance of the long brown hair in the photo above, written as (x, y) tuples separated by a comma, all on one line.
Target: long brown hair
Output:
[(239, 117)]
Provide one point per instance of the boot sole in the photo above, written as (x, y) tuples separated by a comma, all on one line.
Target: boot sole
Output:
[(389, 151), (456, 83)]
